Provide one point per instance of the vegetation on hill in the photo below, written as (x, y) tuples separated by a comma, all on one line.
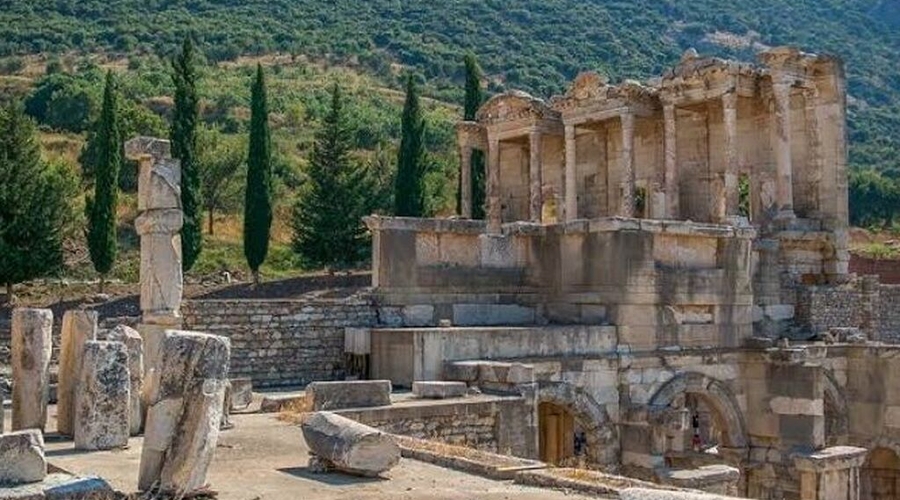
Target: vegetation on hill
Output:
[(53, 54), (536, 45)]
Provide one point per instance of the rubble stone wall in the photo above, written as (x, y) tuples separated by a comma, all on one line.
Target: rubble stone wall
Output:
[(477, 423), (863, 303), (281, 343)]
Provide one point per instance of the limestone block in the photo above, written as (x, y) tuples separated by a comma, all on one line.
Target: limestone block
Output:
[(439, 389), (348, 394), (135, 346), (797, 406), (61, 486), (418, 315), (102, 397), (241, 393), (779, 312), (350, 446), (648, 494), (358, 341), (492, 314), (2, 399), (186, 398), (159, 184), (31, 349), (496, 251), (22, 457), (78, 327)]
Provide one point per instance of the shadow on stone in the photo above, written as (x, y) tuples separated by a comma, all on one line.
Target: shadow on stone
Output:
[(331, 478)]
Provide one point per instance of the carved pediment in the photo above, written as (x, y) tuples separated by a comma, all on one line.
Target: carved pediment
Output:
[(511, 106)]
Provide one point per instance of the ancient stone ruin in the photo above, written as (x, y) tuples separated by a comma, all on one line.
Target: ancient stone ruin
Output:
[(31, 346), (78, 327), (186, 398)]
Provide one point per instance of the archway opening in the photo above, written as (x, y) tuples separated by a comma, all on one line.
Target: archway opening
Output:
[(880, 475), (562, 437)]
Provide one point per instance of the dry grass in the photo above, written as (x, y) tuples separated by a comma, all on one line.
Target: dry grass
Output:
[(456, 451), (296, 411)]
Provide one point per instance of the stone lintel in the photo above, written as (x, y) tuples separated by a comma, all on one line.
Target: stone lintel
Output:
[(829, 459)]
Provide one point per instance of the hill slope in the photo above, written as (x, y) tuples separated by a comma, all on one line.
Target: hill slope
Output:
[(536, 45)]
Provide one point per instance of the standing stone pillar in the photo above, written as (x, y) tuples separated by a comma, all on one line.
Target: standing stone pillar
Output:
[(671, 158), (135, 346), (571, 188), (31, 348), (159, 225), (465, 181), (626, 202), (732, 166), (103, 397), (186, 404), (816, 165), (534, 176), (494, 209), (784, 183), (830, 473), (78, 327)]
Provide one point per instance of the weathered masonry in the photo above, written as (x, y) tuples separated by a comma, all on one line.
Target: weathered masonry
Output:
[(646, 246)]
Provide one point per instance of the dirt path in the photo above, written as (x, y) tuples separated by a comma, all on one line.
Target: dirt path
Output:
[(263, 458)]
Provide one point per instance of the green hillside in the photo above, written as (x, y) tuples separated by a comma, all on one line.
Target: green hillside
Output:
[(529, 44)]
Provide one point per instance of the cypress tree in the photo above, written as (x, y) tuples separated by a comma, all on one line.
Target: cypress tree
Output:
[(101, 208), (258, 195), (327, 219), (474, 99), (409, 187), (183, 135), (35, 203)]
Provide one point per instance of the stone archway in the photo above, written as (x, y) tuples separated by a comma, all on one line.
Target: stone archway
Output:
[(565, 401), (713, 393), (880, 475)]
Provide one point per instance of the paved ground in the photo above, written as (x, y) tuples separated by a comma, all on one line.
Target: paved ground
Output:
[(265, 459)]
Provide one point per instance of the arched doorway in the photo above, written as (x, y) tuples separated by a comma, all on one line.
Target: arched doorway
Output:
[(558, 433), (880, 475), (572, 425)]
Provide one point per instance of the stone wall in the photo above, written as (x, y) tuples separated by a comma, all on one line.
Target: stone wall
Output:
[(863, 303), (281, 342), (481, 422), (888, 270)]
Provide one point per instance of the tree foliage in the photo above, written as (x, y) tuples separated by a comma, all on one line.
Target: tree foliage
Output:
[(474, 97), (36, 212), (327, 219), (101, 207), (184, 147), (220, 161), (409, 190), (258, 195)]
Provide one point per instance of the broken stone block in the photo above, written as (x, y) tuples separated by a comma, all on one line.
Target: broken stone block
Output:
[(241, 393), (348, 394), (135, 347), (31, 349), (350, 446), (186, 396), (22, 457), (77, 328), (103, 397), (61, 486), (439, 389)]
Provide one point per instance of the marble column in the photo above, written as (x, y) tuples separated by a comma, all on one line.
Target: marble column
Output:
[(31, 348), (784, 189), (78, 327), (732, 167), (465, 180), (534, 176), (815, 167), (159, 224), (571, 188), (671, 155), (626, 202), (494, 209)]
